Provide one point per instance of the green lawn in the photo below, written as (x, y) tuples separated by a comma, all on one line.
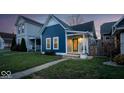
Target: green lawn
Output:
[(18, 61), (81, 69)]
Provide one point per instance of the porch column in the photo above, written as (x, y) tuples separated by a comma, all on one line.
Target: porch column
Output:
[(35, 45), (87, 47), (83, 41)]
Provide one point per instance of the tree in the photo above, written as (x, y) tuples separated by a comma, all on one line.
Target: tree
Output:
[(23, 45), (13, 45), (75, 19)]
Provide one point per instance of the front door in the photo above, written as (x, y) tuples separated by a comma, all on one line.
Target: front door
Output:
[(75, 44)]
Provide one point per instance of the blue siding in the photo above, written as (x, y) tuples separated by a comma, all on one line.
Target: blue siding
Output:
[(53, 31)]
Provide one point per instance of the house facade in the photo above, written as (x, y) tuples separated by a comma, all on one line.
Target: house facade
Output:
[(107, 41), (29, 30), (5, 40), (57, 36), (118, 34)]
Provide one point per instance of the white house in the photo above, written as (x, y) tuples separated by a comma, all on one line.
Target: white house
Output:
[(29, 30), (1, 43)]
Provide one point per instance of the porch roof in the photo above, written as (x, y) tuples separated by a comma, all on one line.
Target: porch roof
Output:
[(33, 37), (71, 33)]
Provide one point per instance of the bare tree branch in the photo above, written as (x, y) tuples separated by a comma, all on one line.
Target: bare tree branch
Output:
[(75, 19)]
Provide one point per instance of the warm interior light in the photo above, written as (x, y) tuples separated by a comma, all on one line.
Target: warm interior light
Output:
[(80, 39)]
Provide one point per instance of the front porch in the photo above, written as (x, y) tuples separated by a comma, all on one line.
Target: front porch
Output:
[(34, 44), (78, 44)]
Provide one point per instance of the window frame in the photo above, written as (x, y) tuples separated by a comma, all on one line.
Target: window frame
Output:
[(47, 42), (23, 27), (57, 43)]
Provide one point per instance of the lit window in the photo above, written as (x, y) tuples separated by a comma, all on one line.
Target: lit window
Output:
[(55, 42), (48, 43)]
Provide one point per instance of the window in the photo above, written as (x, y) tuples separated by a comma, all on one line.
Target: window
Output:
[(55, 42), (19, 29), (23, 27), (107, 38), (48, 43)]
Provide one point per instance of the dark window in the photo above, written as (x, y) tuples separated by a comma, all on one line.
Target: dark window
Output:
[(107, 37), (19, 29)]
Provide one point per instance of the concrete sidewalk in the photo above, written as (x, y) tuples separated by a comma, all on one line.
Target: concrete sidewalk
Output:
[(35, 69)]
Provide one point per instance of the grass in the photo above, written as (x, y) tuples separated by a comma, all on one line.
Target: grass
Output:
[(18, 61), (81, 69)]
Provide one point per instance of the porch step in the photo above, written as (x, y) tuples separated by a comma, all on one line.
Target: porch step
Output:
[(71, 56), (76, 56)]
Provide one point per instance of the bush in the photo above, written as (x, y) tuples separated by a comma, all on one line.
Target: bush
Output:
[(115, 52), (23, 45), (119, 59), (49, 53), (13, 45)]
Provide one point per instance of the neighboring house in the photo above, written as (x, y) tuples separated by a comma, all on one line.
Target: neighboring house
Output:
[(63, 39), (107, 42), (6, 39), (29, 30), (118, 34), (106, 31), (1, 43)]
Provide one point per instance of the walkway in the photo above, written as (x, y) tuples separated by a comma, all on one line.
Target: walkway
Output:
[(35, 69)]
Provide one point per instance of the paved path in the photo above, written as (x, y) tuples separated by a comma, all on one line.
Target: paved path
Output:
[(35, 69), (114, 64)]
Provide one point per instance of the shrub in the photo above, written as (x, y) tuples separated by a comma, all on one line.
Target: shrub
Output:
[(119, 59), (23, 45), (18, 47), (13, 45), (49, 53)]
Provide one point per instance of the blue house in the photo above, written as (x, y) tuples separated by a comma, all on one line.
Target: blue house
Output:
[(56, 36)]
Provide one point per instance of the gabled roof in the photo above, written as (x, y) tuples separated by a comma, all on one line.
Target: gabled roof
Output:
[(89, 26), (28, 20), (61, 22), (120, 24), (106, 28), (6, 35)]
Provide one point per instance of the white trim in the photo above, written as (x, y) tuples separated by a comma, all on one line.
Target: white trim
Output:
[(66, 39), (41, 43), (114, 30), (35, 42), (47, 21), (119, 21), (50, 43), (61, 54), (77, 31), (58, 22), (57, 43)]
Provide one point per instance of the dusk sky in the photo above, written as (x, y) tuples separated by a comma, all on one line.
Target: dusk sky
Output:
[(7, 21)]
